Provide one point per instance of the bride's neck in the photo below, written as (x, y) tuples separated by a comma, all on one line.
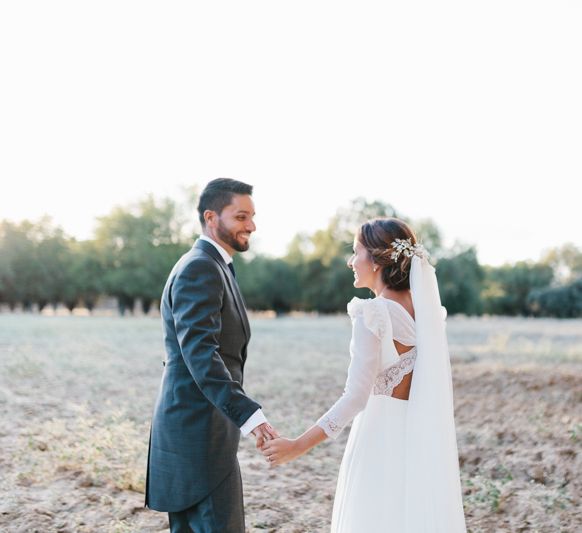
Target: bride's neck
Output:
[(379, 288), (382, 290)]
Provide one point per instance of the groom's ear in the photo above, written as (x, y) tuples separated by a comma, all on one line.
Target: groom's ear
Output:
[(210, 218)]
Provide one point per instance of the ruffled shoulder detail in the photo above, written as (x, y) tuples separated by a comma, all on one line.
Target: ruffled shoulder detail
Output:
[(355, 306), (375, 314)]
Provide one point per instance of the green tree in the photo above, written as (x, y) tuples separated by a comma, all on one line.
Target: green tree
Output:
[(565, 261), (86, 275), (328, 288), (507, 288), (460, 279), (20, 269), (140, 244), (269, 284), (55, 258), (428, 233)]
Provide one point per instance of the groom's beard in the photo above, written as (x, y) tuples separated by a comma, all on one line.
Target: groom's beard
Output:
[(230, 239)]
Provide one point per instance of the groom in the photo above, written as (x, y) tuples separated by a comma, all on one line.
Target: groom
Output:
[(201, 409)]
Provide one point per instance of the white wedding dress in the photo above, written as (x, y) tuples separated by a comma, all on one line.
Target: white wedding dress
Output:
[(396, 448)]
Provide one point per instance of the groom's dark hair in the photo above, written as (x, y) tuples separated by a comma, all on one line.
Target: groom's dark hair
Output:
[(218, 194)]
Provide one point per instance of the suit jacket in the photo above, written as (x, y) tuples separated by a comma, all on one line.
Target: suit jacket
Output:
[(201, 404)]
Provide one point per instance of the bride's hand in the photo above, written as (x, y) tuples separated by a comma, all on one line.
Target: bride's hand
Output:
[(280, 451)]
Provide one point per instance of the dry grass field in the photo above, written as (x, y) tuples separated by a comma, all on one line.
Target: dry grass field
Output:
[(76, 394)]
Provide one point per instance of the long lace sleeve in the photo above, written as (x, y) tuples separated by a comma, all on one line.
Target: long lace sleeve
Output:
[(369, 324)]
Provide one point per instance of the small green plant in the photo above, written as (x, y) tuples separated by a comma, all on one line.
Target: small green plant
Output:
[(575, 432), (486, 492)]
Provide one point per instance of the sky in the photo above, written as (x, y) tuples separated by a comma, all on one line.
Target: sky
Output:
[(465, 112)]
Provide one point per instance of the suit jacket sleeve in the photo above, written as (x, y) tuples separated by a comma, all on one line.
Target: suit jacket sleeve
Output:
[(197, 295)]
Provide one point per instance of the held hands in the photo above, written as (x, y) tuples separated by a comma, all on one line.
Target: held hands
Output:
[(281, 451), (263, 433), (276, 450)]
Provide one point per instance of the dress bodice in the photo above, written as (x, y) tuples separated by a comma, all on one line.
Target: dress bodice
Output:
[(389, 321), (375, 367)]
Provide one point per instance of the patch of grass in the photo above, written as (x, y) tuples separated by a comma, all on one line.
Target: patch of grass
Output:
[(575, 432), (106, 449), (485, 492)]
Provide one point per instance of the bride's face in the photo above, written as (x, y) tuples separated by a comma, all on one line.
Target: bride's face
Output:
[(363, 267)]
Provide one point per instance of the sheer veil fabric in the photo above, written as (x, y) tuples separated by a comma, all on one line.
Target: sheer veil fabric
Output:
[(433, 489)]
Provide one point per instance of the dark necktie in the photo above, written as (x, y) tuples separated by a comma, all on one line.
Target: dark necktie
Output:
[(231, 267)]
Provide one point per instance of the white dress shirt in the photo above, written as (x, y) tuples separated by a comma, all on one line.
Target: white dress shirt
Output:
[(257, 418)]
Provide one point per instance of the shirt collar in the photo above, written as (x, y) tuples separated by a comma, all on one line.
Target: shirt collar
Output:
[(225, 255)]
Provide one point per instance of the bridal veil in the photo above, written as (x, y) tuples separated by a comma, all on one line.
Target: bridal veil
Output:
[(433, 489)]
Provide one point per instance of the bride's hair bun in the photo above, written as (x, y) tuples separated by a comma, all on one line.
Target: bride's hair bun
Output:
[(377, 236)]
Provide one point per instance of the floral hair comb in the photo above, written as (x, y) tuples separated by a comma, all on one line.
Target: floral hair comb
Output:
[(405, 246)]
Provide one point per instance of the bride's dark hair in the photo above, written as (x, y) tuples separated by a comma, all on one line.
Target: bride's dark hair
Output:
[(377, 236)]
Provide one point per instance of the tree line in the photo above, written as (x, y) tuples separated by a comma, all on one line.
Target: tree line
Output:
[(134, 248)]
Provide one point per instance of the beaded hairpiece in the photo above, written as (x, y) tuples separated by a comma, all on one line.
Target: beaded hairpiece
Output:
[(405, 246)]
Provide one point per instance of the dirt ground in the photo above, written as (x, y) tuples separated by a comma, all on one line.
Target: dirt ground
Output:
[(76, 395)]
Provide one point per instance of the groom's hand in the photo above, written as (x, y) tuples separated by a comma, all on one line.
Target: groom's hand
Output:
[(263, 433)]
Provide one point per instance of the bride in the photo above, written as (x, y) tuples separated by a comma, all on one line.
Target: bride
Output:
[(400, 470)]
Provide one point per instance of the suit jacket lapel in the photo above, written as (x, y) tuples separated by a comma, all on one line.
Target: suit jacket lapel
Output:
[(234, 289), (240, 304)]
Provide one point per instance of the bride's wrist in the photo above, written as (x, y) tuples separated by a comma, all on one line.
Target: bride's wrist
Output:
[(299, 445)]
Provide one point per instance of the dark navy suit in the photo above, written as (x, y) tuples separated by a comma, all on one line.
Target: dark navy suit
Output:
[(201, 405)]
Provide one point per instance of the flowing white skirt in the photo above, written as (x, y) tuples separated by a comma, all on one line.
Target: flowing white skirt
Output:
[(370, 494)]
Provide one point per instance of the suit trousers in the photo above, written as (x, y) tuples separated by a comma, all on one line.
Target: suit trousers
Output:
[(222, 511)]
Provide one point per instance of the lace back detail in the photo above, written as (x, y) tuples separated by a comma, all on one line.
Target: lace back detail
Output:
[(391, 377)]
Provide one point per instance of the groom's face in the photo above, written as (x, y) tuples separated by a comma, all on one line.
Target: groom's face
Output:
[(233, 227)]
